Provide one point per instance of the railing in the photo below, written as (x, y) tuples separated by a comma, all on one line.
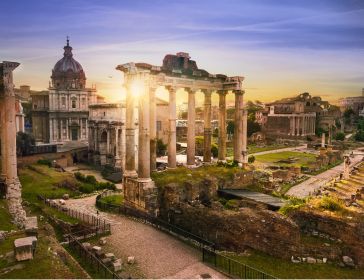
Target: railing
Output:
[(100, 224), (209, 255), (232, 267), (89, 257)]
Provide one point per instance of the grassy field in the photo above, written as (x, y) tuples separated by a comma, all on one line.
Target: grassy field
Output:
[(5, 218), (181, 175), (274, 158), (288, 270), (113, 199)]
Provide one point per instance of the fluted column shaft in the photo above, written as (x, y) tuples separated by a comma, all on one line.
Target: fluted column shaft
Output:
[(144, 136), (191, 122), (207, 126), (117, 149), (222, 125), (129, 135), (153, 128), (238, 126), (172, 128)]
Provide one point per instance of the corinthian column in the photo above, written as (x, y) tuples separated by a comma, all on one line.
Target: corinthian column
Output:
[(172, 128), (8, 142), (207, 127), (245, 137), (129, 135), (191, 143), (238, 126), (117, 148), (222, 124), (153, 129), (144, 137)]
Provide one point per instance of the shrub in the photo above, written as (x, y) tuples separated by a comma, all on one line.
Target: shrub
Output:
[(331, 204), (79, 176), (87, 188), (292, 205), (359, 135), (214, 150), (340, 136), (251, 159), (232, 204), (45, 162), (91, 179)]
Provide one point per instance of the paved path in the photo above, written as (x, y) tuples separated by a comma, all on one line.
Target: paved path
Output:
[(157, 254), (309, 186), (290, 149)]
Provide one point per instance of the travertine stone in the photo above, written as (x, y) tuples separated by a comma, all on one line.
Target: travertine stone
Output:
[(172, 128), (207, 126), (24, 248), (191, 142), (222, 125), (238, 126)]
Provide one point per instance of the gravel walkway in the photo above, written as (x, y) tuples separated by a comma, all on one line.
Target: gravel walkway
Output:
[(157, 254)]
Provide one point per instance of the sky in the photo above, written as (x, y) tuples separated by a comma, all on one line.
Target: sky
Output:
[(281, 47)]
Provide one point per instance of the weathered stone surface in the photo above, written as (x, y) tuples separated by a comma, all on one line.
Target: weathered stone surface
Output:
[(348, 261), (131, 260), (86, 245), (66, 196), (311, 260), (31, 225), (102, 241), (111, 256), (96, 249), (24, 248), (117, 265)]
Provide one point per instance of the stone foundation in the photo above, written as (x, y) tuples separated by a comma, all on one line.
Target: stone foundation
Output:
[(141, 194), (13, 197)]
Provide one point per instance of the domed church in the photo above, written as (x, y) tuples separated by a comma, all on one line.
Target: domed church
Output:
[(61, 113)]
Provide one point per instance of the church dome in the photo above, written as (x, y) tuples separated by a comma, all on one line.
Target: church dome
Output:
[(68, 73)]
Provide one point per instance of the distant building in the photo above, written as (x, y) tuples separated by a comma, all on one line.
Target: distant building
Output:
[(60, 114), (298, 116), (356, 103)]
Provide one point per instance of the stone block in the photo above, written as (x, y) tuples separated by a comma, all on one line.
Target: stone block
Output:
[(106, 261), (131, 260), (86, 245), (348, 261), (62, 202), (96, 249), (31, 225), (24, 248), (110, 256), (311, 260), (66, 196), (117, 265), (102, 241)]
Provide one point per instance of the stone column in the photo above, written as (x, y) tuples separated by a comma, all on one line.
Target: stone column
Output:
[(67, 130), (191, 123), (245, 137), (153, 128), (144, 137), (123, 147), (238, 126), (108, 141), (172, 128), (8, 142), (323, 140), (117, 150), (207, 127), (86, 129), (222, 125), (130, 135)]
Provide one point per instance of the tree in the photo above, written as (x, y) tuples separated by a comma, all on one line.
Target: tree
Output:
[(253, 127), (348, 115), (214, 150), (161, 148), (230, 127), (340, 136), (23, 143), (251, 159), (359, 136)]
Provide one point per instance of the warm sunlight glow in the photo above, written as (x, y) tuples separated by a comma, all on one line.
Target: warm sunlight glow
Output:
[(137, 88)]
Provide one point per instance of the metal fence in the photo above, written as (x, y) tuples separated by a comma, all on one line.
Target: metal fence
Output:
[(100, 224), (210, 256), (232, 267), (89, 257)]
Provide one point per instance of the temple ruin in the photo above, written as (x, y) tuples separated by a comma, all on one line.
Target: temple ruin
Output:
[(177, 72), (8, 142)]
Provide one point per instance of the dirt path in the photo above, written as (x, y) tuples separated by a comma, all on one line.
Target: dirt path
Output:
[(157, 254)]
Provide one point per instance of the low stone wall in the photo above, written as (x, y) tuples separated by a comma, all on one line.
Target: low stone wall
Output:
[(349, 234)]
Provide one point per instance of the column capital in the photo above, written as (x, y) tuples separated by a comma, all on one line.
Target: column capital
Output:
[(191, 90), (171, 88), (239, 92), (222, 92)]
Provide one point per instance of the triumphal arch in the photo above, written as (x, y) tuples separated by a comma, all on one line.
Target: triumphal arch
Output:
[(177, 72)]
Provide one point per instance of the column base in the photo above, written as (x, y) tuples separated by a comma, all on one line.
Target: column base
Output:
[(130, 173), (13, 196), (142, 194)]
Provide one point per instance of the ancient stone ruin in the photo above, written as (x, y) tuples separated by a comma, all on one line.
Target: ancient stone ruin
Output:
[(8, 142)]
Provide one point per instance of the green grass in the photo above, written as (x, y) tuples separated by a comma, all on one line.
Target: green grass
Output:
[(5, 218), (286, 269), (302, 158), (181, 175), (44, 264), (113, 199), (42, 180)]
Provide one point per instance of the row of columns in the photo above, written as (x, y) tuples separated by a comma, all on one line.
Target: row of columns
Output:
[(302, 125), (147, 130)]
